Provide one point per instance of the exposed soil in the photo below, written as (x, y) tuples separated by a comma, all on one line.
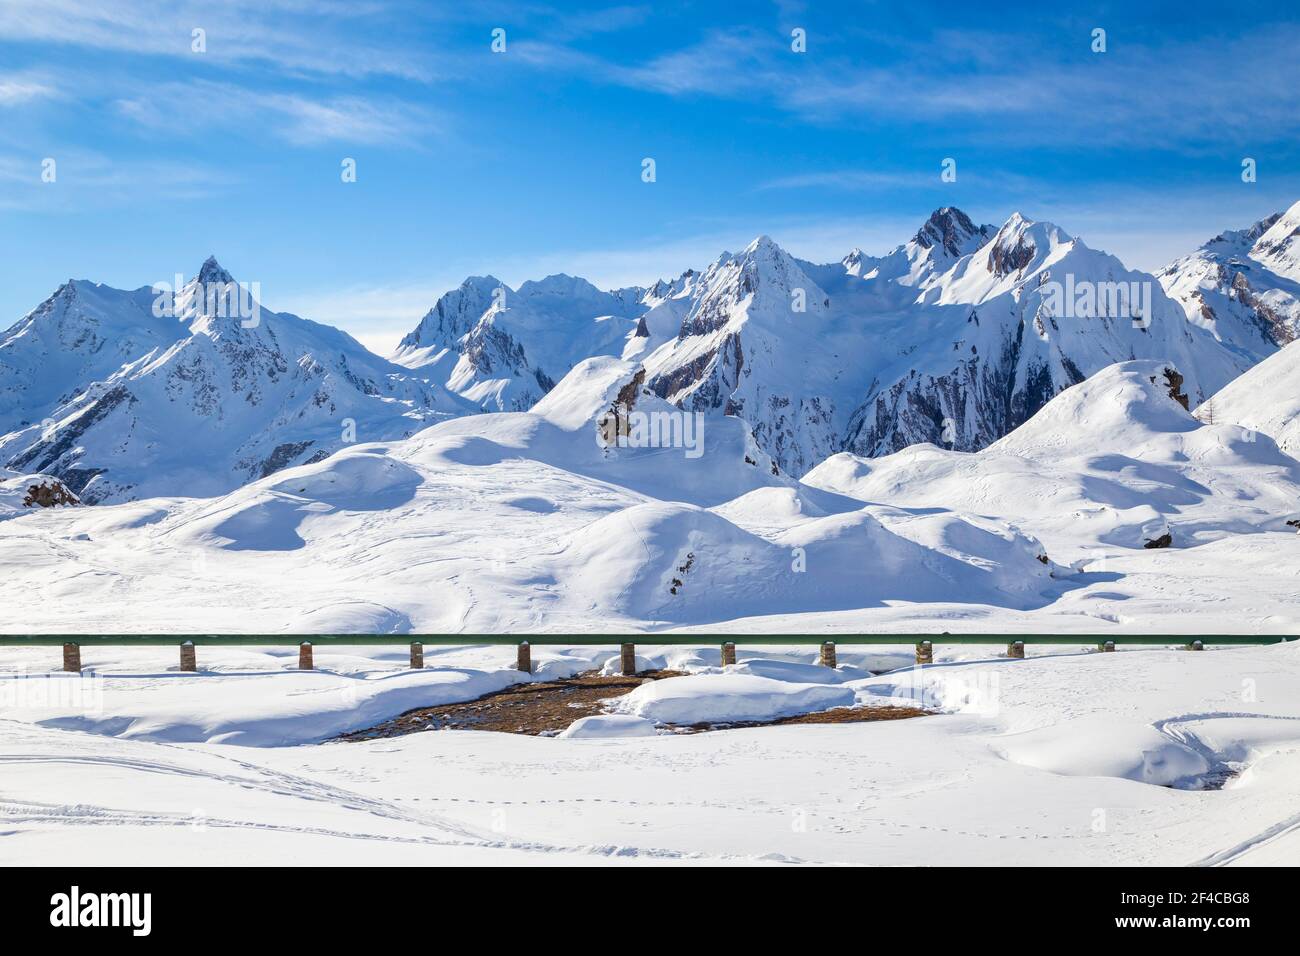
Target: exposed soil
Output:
[(546, 708), (543, 708)]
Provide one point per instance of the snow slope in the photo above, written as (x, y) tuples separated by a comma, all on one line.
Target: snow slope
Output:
[(122, 405), (1113, 462), (1264, 399), (513, 521)]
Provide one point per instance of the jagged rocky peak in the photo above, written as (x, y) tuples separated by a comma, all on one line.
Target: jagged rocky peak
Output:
[(1279, 246), (950, 229), (212, 271), (1021, 242), (454, 314), (1240, 240)]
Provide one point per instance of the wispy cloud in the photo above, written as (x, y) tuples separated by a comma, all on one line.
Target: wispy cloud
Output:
[(86, 179), (1202, 89), (324, 36), (294, 117), (16, 88)]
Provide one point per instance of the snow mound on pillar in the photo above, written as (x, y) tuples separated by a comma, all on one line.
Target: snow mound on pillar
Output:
[(713, 698)]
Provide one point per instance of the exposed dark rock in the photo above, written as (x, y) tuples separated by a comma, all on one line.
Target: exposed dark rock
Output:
[(49, 493), (282, 455), (1174, 382)]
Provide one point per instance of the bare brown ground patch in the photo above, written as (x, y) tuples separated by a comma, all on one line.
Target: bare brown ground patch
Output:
[(548, 707)]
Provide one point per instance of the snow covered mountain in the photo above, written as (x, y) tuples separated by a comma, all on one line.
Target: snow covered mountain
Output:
[(1244, 285), (504, 349), (955, 338), (126, 395)]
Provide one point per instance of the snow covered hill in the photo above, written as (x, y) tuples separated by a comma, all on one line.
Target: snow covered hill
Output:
[(1264, 399), (521, 520), (1114, 462), (122, 400), (1244, 285)]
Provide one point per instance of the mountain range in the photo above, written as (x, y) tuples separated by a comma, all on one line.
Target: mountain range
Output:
[(954, 338)]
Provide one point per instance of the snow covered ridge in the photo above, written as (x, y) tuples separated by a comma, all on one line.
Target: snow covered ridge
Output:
[(1244, 285), (955, 338), (126, 395)]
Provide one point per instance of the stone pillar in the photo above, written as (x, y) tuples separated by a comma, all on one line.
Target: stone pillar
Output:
[(1016, 649), (188, 661), (1195, 646), (72, 658), (304, 656), (524, 662), (417, 657), (828, 654), (925, 653), (629, 659), (728, 653)]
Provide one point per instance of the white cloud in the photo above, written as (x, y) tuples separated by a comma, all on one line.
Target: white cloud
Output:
[(19, 88), (325, 37), (293, 117)]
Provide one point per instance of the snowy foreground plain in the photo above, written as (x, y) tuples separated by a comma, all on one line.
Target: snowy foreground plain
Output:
[(1068, 757)]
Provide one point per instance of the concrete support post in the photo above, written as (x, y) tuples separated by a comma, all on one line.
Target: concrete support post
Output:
[(728, 653), (628, 659), (524, 661), (417, 657), (72, 658), (828, 654), (1016, 649), (188, 659), (304, 656), (925, 653)]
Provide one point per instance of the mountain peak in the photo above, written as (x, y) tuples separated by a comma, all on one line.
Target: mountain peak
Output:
[(1279, 246), (211, 271), (762, 244), (950, 229)]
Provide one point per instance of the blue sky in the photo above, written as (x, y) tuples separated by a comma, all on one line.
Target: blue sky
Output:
[(529, 162)]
